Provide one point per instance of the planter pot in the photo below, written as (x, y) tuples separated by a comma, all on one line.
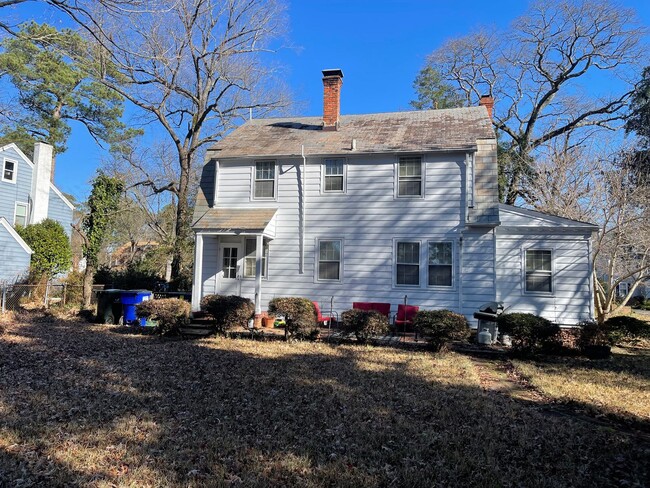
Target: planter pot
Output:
[(268, 322), (598, 352)]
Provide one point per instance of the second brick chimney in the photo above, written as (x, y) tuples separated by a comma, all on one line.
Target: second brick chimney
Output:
[(332, 82), (488, 102)]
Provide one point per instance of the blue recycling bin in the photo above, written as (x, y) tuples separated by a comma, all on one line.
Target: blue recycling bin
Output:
[(129, 299)]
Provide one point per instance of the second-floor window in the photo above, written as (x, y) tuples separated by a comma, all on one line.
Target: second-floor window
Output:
[(409, 176), (9, 171), (264, 184), (20, 218), (333, 175)]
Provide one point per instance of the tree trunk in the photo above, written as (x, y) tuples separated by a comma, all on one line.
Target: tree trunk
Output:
[(89, 274), (182, 230)]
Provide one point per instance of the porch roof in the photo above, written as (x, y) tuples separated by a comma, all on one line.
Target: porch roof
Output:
[(234, 221)]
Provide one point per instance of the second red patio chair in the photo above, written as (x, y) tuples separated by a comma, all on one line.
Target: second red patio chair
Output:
[(404, 317)]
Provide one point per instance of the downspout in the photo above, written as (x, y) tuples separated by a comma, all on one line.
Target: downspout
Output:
[(460, 274), (592, 297), (303, 213)]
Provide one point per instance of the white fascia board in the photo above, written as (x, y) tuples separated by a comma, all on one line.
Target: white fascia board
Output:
[(15, 235), (20, 153)]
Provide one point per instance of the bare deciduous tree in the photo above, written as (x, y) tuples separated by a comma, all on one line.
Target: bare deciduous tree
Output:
[(540, 73)]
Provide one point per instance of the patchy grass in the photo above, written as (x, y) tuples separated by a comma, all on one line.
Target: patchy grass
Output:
[(82, 405), (619, 386)]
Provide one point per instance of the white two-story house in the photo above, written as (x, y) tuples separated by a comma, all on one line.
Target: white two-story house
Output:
[(27, 196), (380, 208)]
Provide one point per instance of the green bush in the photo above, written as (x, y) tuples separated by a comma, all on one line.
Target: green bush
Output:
[(51, 246), (593, 334), (228, 311), (299, 315), (529, 332), (441, 326), (364, 323), (134, 277), (170, 313), (625, 327)]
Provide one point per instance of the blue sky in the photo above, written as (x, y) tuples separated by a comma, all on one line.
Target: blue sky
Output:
[(379, 44)]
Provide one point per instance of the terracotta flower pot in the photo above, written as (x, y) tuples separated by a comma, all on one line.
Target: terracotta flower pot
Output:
[(268, 322)]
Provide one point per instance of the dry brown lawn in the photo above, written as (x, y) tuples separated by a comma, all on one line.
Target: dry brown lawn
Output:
[(85, 405), (619, 386)]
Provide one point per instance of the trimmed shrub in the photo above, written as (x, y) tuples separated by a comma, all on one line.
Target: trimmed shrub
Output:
[(441, 326), (299, 315), (625, 327), (530, 332), (170, 313), (228, 311), (364, 323)]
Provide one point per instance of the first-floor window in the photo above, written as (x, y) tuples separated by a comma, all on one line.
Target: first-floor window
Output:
[(329, 260), (538, 271), (230, 262), (251, 257), (440, 263), (408, 263), (21, 215)]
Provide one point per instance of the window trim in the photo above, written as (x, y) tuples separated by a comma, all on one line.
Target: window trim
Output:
[(323, 176), (4, 164), (26, 205), (317, 261), (265, 259), (524, 291), (396, 242), (275, 180), (452, 286), (396, 194)]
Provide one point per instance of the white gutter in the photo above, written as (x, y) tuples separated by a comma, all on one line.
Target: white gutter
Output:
[(303, 213)]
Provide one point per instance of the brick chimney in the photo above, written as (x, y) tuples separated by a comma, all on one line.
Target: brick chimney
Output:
[(332, 81), (488, 102)]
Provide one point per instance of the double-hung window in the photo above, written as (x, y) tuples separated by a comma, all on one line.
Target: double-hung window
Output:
[(440, 263), (333, 175), (407, 264), (250, 258), (409, 176), (9, 171), (20, 218), (329, 260), (264, 184), (539, 272)]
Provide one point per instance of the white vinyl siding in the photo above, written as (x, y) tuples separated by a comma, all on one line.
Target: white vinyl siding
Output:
[(264, 180), (9, 169), (441, 263), (334, 175), (250, 258), (538, 271), (407, 264), (409, 177), (330, 253), (20, 215)]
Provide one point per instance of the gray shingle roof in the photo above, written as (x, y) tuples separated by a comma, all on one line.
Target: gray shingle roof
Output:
[(425, 130), (235, 220)]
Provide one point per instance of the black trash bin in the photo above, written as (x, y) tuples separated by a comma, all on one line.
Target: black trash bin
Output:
[(109, 306)]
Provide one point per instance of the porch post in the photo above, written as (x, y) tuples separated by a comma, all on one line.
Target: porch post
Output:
[(197, 281), (259, 242)]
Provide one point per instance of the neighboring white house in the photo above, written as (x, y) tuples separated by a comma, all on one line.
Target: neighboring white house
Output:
[(376, 208), (27, 196)]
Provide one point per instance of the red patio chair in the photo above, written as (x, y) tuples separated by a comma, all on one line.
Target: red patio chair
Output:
[(327, 318), (405, 315)]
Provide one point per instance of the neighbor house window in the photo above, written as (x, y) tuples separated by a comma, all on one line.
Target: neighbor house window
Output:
[(333, 177), (407, 263), (440, 263), (251, 256), (9, 171), (264, 185), (409, 177), (538, 271), (329, 260), (20, 218)]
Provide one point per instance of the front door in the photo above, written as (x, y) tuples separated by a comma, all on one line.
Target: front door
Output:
[(229, 282)]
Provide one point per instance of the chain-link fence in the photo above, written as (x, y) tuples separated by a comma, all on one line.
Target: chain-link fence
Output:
[(13, 297)]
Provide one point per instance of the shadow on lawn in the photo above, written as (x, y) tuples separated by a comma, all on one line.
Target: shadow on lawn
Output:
[(82, 406)]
